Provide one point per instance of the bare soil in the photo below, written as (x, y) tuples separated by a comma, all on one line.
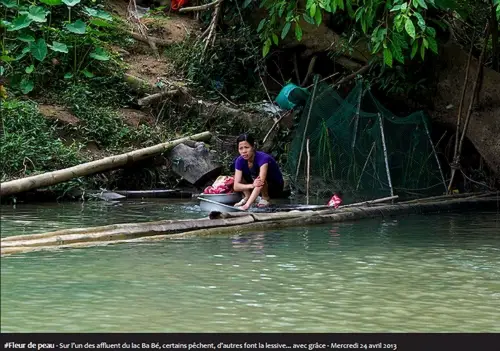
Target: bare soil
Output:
[(148, 68), (59, 113), (135, 118)]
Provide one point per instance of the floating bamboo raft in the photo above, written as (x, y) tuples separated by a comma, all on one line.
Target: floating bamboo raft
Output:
[(230, 223)]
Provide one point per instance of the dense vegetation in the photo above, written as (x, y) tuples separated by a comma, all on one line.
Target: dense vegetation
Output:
[(64, 52)]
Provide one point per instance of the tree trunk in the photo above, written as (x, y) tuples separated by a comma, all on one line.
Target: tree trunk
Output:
[(484, 126), (105, 164)]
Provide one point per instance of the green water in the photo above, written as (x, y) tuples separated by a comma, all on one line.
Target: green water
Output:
[(420, 273)]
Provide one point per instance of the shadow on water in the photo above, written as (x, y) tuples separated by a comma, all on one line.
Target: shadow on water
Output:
[(406, 274)]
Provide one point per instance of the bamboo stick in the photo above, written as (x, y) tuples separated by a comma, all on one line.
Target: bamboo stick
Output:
[(305, 128), (308, 171), (385, 153), (435, 154), (356, 119), (364, 166)]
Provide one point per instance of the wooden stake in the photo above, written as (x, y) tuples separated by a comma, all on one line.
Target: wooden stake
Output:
[(356, 119), (308, 178), (435, 155), (366, 162), (305, 128), (380, 118)]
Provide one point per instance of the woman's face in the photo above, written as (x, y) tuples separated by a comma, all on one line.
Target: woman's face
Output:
[(245, 149)]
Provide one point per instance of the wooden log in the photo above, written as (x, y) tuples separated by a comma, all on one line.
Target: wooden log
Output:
[(249, 224), (148, 40), (137, 84), (195, 165), (295, 213), (199, 8), (154, 98), (132, 231), (105, 164)]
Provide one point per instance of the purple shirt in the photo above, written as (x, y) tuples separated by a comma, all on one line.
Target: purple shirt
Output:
[(261, 158)]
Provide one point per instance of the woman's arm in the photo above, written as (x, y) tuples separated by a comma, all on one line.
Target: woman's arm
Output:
[(257, 186), (262, 175), (238, 185)]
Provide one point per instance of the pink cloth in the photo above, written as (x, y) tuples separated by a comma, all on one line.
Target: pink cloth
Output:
[(224, 187), (335, 201)]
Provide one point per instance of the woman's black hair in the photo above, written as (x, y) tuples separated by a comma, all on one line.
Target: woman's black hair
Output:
[(245, 137)]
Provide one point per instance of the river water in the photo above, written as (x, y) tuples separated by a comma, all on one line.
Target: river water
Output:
[(419, 273)]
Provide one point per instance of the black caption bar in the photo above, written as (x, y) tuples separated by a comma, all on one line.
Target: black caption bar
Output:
[(309, 342)]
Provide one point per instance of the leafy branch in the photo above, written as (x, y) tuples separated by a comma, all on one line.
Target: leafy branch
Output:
[(395, 29)]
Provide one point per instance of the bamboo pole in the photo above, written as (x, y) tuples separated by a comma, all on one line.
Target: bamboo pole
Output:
[(308, 178), (131, 231), (268, 223), (364, 166), (167, 226), (435, 154), (356, 119), (385, 153), (97, 166), (305, 128)]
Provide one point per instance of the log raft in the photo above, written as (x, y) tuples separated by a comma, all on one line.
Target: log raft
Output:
[(231, 223)]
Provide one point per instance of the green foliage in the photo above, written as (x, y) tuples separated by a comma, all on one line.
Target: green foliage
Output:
[(228, 67), (95, 104), (396, 29), (60, 38), (29, 142)]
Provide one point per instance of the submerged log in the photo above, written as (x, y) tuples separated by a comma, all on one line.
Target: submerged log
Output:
[(233, 223), (105, 164), (196, 165)]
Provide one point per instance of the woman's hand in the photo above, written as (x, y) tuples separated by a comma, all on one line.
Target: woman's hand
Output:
[(257, 183)]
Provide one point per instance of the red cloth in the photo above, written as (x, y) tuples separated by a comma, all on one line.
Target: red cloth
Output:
[(335, 201), (222, 188), (177, 4)]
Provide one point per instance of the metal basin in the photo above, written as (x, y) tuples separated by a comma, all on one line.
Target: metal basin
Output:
[(207, 205), (230, 198)]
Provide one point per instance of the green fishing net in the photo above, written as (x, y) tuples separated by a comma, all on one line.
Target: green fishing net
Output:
[(359, 147)]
